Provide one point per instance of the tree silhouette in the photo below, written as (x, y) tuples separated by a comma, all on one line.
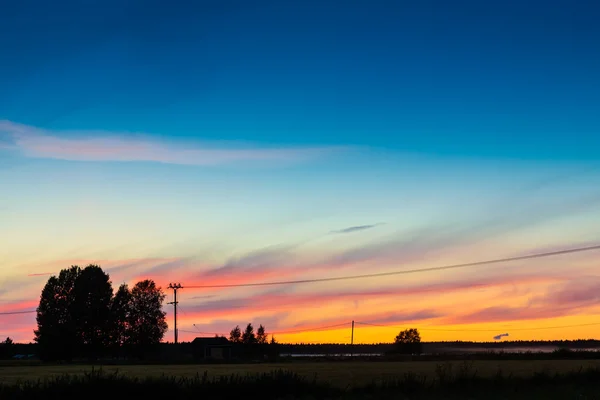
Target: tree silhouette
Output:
[(261, 335), (120, 309), (408, 341), (273, 341), (56, 333), (78, 315), (248, 335), (146, 323), (91, 310), (6, 348), (235, 335)]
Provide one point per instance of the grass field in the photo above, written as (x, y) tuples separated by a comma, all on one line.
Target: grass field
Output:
[(341, 374)]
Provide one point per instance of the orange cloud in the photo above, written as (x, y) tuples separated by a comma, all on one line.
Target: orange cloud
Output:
[(563, 299), (283, 300)]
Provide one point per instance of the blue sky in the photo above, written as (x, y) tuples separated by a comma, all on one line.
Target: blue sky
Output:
[(427, 77), (190, 134)]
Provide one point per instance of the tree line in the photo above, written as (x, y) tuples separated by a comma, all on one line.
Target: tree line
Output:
[(249, 337), (407, 341), (80, 316)]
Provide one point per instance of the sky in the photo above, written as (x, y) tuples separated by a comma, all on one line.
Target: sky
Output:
[(233, 142)]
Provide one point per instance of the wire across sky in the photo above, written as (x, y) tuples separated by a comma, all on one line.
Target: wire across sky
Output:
[(391, 273), (403, 272)]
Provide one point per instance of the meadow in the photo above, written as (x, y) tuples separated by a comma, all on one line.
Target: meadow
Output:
[(340, 374), (446, 381)]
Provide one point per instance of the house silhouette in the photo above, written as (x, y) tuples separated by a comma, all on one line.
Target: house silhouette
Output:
[(215, 348)]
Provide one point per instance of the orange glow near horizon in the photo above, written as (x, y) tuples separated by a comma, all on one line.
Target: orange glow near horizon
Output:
[(528, 304)]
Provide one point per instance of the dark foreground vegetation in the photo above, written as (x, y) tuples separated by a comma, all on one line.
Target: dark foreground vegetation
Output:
[(448, 383)]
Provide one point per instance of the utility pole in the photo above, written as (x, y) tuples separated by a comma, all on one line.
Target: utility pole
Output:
[(352, 339), (175, 302)]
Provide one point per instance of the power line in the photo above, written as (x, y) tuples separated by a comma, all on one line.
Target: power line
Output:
[(403, 272), (483, 330)]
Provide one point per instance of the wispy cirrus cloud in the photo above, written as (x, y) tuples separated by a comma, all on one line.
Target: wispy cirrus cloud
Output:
[(41, 274), (285, 326), (408, 246), (576, 293), (509, 314), (18, 306), (104, 146), (356, 228), (258, 261), (282, 300)]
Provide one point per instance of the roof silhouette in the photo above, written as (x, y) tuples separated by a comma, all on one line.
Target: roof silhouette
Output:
[(211, 341)]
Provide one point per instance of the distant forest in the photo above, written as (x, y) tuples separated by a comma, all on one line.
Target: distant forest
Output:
[(165, 350), (434, 347)]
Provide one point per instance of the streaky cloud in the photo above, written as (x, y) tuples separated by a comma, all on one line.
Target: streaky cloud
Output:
[(223, 326), (208, 296), (117, 147), (397, 317), (18, 306), (282, 300), (408, 246), (580, 292), (356, 228), (284, 324), (258, 260), (567, 298)]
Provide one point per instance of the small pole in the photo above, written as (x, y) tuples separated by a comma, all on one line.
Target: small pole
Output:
[(352, 339)]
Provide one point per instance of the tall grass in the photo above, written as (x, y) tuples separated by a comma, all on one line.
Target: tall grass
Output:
[(450, 382)]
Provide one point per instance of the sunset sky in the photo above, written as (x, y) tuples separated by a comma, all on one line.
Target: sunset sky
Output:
[(226, 142)]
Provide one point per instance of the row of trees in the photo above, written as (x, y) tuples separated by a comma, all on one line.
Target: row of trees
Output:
[(407, 341), (249, 337), (79, 316)]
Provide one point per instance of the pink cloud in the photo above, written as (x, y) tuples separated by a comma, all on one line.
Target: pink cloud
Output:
[(18, 306), (102, 146), (567, 298), (282, 300), (574, 294)]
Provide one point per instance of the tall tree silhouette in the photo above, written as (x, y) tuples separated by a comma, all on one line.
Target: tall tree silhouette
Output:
[(248, 336), (261, 335), (120, 309), (56, 332), (92, 295), (235, 335), (146, 323)]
